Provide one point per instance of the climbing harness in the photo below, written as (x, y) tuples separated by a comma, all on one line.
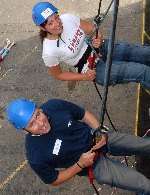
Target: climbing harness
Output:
[(5, 50), (97, 136), (94, 54)]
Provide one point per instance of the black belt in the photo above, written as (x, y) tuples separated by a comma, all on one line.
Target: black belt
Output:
[(83, 60)]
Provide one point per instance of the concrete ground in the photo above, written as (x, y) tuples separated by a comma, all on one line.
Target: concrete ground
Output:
[(23, 74)]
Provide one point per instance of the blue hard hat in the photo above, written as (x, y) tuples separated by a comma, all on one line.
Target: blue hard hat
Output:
[(41, 11), (19, 112)]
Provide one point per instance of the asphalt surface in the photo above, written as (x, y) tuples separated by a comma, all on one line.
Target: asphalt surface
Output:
[(23, 74)]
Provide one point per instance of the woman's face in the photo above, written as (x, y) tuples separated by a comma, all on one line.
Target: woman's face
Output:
[(39, 123), (54, 25)]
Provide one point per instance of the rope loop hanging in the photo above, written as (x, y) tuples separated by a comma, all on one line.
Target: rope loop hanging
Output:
[(109, 62), (98, 21)]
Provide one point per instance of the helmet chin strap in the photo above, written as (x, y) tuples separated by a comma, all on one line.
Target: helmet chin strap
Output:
[(26, 131), (59, 37)]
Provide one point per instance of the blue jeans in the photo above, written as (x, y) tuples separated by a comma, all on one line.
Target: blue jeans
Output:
[(130, 63), (114, 173)]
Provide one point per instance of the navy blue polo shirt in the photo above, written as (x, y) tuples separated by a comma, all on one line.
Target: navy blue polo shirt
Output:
[(63, 145)]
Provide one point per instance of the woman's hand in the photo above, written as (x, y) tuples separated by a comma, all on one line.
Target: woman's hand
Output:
[(90, 75), (97, 42), (57, 73)]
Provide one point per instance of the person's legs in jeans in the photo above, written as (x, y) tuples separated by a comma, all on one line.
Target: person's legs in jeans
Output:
[(113, 173), (126, 144), (130, 64), (128, 52), (124, 72)]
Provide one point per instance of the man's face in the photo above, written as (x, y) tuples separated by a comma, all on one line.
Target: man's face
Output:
[(39, 123), (54, 25)]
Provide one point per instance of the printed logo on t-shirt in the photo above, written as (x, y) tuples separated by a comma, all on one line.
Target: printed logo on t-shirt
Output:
[(69, 123), (57, 146), (75, 41)]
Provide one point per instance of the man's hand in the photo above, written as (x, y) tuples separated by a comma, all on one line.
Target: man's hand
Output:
[(100, 143), (86, 159)]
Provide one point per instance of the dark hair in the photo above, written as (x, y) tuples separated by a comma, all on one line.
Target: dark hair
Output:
[(42, 34)]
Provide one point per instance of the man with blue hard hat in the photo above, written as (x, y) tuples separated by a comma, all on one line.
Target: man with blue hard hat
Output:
[(60, 135)]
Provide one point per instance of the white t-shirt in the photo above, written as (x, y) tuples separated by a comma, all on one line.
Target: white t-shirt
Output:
[(72, 43)]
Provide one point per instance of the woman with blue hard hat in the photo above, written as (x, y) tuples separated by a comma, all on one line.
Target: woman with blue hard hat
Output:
[(64, 40), (60, 135)]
